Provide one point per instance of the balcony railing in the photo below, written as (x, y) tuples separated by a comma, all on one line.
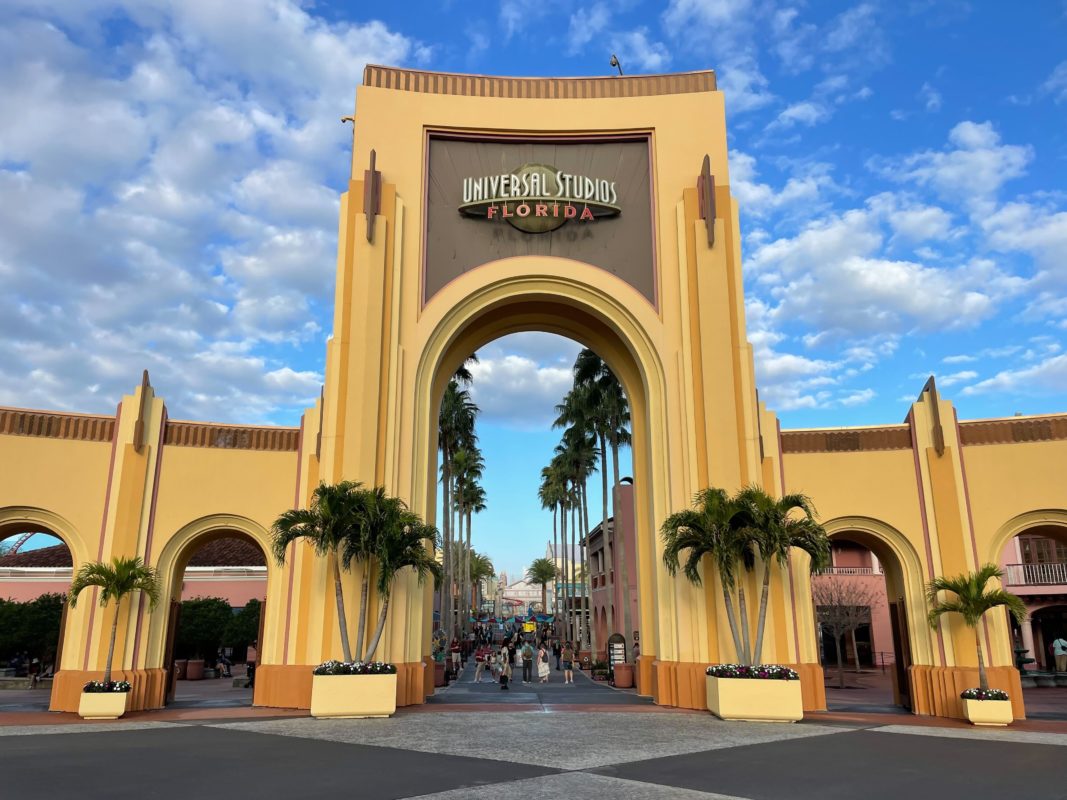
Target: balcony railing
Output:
[(1035, 574), (850, 571)]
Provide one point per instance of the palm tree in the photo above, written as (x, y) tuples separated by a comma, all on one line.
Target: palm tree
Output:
[(609, 413), (481, 569), (577, 455), (328, 526), (770, 524), (707, 530), (971, 602), (401, 542), (541, 571), (551, 496), (121, 577), (469, 498), (736, 532), (455, 431)]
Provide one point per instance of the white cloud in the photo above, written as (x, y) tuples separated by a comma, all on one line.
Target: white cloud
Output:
[(960, 359), (930, 97), (637, 52), (585, 23), (1046, 377), (858, 398), (516, 390), (1056, 83), (759, 199), (972, 169), (804, 113), (170, 199), (957, 377)]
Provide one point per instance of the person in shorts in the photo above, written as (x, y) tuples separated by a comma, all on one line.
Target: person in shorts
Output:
[(568, 656)]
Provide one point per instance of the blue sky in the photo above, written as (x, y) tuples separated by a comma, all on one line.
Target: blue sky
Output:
[(169, 176)]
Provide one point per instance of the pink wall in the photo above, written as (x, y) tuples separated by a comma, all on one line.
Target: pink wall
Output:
[(881, 632)]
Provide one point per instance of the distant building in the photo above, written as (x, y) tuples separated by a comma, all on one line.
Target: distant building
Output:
[(608, 587)]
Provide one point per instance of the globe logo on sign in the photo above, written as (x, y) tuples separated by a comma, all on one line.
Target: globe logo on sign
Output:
[(537, 198)]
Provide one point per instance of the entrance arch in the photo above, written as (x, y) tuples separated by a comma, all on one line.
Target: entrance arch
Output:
[(580, 302), (905, 589), (172, 562)]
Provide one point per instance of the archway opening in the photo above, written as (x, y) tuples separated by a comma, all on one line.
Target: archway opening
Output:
[(215, 621), (36, 567), (862, 625), (550, 461), (1035, 568)]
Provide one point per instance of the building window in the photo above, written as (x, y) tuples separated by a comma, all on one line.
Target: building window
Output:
[(1041, 550)]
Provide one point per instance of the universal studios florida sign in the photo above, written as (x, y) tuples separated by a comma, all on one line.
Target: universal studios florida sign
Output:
[(537, 198)]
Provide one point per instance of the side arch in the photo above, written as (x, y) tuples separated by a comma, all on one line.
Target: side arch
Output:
[(904, 574), (21, 519), (175, 556), (1049, 517)]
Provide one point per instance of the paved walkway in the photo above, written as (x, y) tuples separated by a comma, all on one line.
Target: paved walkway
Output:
[(584, 691), (469, 755)]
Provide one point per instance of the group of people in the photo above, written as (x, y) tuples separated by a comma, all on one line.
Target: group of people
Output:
[(517, 653)]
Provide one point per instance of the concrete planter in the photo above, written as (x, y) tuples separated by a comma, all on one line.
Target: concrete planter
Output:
[(755, 700), (624, 676), (194, 671), (353, 696), (102, 705), (988, 712)]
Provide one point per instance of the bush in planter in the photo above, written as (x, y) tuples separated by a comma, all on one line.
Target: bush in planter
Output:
[(984, 694), (101, 687), (764, 672), (354, 668)]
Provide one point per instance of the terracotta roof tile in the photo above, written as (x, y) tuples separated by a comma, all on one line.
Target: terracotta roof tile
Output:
[(219, 553)]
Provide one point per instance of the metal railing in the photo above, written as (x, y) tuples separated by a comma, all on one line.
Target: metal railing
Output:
[(849, 571), (1035, 574)]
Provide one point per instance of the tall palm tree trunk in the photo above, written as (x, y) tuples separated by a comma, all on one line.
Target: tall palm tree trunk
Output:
[(445, 605), (111, 644), (364, 591), (342, 622), (762, 612), (587, 601), (468, 595), (731, 616), (983, 679), (567, 615), (604, 526), (555, 561), (620, 550), (378, 629), (743, 611)]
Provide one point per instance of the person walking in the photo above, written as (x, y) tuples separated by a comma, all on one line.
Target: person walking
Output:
[(568, 664), (557, 651), (479, 665), (1059, 652), (542, 663), (527, 662), (504, 659), (457, 656)]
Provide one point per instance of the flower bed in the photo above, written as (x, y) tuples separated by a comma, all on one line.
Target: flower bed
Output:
[(763, 672), (983, 694), (99, 687), (355, 668)]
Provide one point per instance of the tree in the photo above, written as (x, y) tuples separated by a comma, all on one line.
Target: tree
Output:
[(244, 627), (456, 420), (774, 529), (736, 532), (31, 627), (122, 577), (842, 606), (609, 413), (551, 493), (971, 601), (202, 629), (481, 569), (540, 573), (400, 539), (329, 525)]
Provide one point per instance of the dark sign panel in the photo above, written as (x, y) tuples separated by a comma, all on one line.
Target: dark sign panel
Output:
[(586, 200)]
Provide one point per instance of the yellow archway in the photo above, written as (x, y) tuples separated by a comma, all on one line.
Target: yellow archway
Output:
[(586, 304), (903, 570), (1052, 517), (175, 557)]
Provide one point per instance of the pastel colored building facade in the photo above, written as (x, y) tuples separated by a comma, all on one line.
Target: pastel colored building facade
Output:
[(454, 232)]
